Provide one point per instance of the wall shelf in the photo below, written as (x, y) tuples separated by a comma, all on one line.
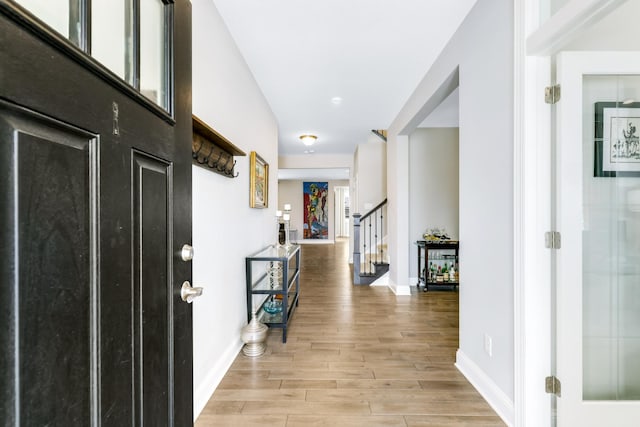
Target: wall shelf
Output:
[(213, 151)]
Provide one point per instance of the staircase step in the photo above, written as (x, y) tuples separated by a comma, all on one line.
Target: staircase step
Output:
[(379, 270)]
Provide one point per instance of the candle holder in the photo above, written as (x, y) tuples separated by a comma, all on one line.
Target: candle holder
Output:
[(287, 225), (287, 241), (278, 217)]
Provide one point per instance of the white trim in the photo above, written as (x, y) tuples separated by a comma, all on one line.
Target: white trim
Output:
[(535, 309), (489, 390), (398, 290), (401, 290), (519, 211), (315, 242), (566, 24), (203, 393)]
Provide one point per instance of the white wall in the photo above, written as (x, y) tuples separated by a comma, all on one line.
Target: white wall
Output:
[(225, 229), (609, 33), (433, 185), (482, 52), (316, 161), (290, 191), (370, 176), (368, 182)]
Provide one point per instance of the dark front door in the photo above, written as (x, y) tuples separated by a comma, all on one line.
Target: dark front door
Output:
[(95, 204)]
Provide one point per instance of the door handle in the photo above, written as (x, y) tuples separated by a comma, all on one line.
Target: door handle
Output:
[(189, 293)]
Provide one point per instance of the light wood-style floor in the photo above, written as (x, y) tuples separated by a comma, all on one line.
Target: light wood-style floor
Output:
[(355, 356)]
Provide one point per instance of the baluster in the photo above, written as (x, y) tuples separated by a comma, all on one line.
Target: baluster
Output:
[(370, 247), (376, 236), (364, 249), (368, 260), (381, 232)]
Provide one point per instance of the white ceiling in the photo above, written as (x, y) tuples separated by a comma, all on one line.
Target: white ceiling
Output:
[(370, 53)]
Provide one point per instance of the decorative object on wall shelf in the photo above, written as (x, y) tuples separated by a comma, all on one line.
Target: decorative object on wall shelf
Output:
[(436, 235), (213, 151), (259, 182), (617, 142)]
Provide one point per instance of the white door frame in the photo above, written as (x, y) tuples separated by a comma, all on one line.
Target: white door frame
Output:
[(533, 46)]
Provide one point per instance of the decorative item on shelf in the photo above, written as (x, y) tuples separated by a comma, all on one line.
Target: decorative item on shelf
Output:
[(278, 218), (274, 276), (253, 336), (436, 235)]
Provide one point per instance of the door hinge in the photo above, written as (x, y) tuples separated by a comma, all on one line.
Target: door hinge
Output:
[(552, 240), (552, 94), (552, 385)]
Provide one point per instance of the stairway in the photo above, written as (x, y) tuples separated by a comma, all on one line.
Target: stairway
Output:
[(370, 260)]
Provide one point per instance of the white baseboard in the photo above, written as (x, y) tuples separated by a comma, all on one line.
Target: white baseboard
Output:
[(398, 289), (203, 393), (315, 242), (401, 290), (488, 389)]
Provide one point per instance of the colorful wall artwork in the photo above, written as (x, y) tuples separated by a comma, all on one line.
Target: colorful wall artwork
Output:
[(316, 210)]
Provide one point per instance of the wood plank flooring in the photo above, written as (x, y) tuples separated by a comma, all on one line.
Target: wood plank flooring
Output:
[(355, 356)]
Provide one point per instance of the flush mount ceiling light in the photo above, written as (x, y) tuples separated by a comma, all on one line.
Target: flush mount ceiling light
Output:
[(336, 100), (308, 140)]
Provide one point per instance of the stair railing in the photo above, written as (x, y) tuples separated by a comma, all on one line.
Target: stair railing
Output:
[(368, 249)]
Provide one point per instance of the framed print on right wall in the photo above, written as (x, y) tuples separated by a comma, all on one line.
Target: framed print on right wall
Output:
[(617, 145)]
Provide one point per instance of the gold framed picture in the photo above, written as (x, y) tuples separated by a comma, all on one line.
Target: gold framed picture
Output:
[(259, 182)]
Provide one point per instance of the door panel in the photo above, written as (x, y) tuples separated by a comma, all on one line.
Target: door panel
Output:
[(53, 166), (94, 207), (152, 289)]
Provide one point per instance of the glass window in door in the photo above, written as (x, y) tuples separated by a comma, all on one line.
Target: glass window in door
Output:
[(61, 15), (611, 238)]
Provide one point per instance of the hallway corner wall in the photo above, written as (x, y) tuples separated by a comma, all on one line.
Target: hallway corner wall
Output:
[(225, 228), (482, 50)]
